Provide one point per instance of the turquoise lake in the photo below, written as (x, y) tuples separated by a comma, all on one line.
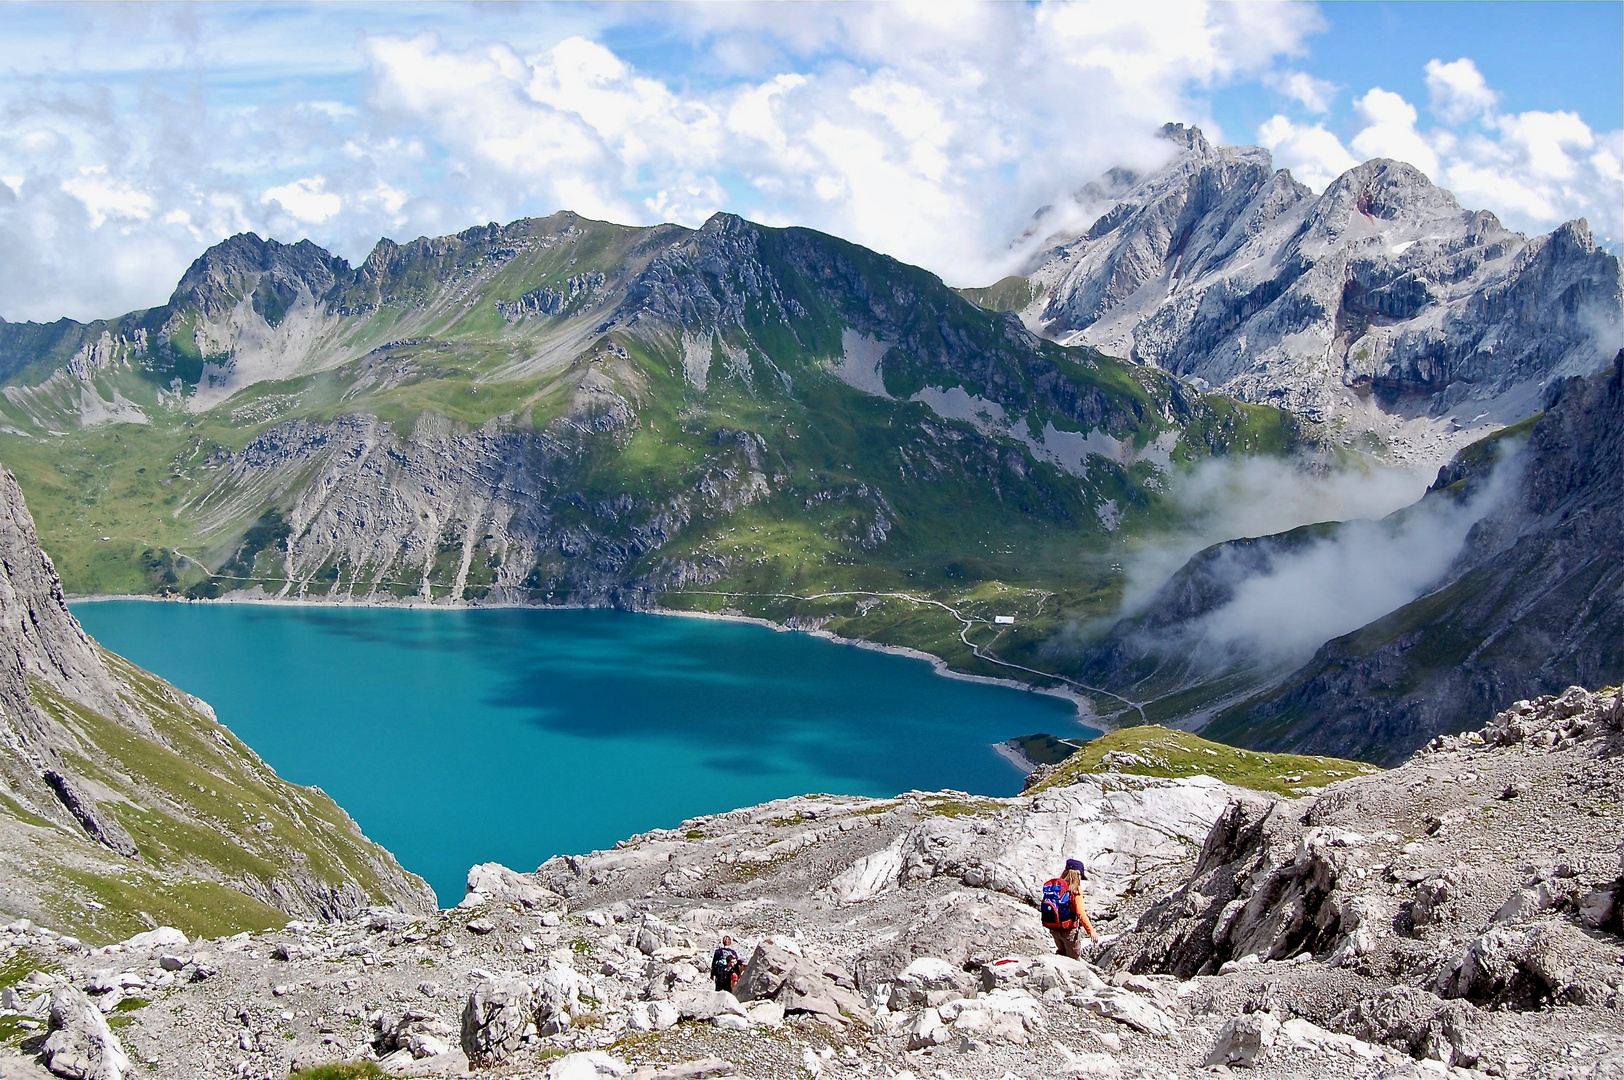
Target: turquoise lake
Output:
[(511, 735)]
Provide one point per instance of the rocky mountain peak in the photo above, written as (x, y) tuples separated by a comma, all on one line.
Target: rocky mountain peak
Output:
[(270, 272), (1380, 301), (1190, 137)]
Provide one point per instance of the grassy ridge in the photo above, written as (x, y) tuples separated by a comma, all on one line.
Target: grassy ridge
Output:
[(1149, 750), (209, 817)]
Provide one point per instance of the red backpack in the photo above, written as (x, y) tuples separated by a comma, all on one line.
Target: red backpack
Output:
[(1059, 906)]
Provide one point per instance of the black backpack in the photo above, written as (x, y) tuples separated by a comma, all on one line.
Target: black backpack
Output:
[(723, 962)]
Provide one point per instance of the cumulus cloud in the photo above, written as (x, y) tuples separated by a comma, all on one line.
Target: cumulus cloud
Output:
[(307, 201), (930, 132), (1458, 91), (1314, 155), (1534, 169), (1313, 94)]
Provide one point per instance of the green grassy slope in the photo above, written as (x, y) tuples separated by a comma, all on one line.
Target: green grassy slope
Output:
[(218, 831), (1150, 750)]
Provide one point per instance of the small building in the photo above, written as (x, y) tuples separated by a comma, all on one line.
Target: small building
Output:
[(1003, 620)]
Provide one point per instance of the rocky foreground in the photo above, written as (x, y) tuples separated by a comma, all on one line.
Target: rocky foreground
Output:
[(1459, 915)]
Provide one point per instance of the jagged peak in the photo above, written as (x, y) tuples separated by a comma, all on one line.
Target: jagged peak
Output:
[(231, 270), (1189, 137)]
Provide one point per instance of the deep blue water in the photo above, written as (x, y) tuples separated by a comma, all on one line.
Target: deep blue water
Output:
[(456, 737)]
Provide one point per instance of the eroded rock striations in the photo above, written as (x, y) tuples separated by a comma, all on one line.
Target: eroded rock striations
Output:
[(1457, 916), (112, 778)]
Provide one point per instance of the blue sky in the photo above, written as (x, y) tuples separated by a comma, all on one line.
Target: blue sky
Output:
[(132, 136)]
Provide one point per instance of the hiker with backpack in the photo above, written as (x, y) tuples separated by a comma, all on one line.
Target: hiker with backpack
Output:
[(1062, 910), (725, 966)]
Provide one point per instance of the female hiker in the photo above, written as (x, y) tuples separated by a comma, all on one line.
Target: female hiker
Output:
[(1062, 910), (725, 966)]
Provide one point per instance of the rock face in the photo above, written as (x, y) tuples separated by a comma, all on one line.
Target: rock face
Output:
[(1381, 290), (1532, 603), (86, 738), (81, 1046)]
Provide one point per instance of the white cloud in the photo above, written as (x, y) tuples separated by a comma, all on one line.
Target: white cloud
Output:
[(1458, 91), (105, 197), (1390, 131), (307, 201), (1313, 94), (1533, 169), (930, 132), (1313, 154)]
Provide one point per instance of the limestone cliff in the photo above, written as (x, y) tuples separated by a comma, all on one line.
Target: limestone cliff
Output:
[(1533, 603)]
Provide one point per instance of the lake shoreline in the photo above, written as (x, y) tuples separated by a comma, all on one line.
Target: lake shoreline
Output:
[(1083, 710)]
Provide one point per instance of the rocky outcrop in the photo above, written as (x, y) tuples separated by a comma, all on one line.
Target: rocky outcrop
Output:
[(1381, 289), (1450, 914), (81, 1046)]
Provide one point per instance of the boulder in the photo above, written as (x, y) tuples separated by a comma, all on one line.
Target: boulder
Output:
[(493, 881), (929, 981), (764, 975), (81, 1046), (494, 1021), (421, 1034), (1243, 1040), (1418, 1023), (706, 1004), (1126, 1008), (653, 1016), (558, 990), (588, 1065), (765, 1013), (703, 1069), (928, 1030), (164, 937)]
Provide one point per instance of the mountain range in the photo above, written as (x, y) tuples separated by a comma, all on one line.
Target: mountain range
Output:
[(1378, 306), (778, 423)]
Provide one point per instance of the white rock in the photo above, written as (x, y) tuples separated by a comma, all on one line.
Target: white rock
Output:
[(1128, 1008), (81, 1046), (928, 1030), (1243, 1040), (588, 1065), (765, 1013), (706, 1004), (164, 937), (653, 1016)]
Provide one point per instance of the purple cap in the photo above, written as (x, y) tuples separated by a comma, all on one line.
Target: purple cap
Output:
[(1077, 865)]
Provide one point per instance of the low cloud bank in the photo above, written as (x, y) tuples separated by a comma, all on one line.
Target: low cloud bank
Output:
[(1230, 498), (1336, 585), (1299, 599)]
